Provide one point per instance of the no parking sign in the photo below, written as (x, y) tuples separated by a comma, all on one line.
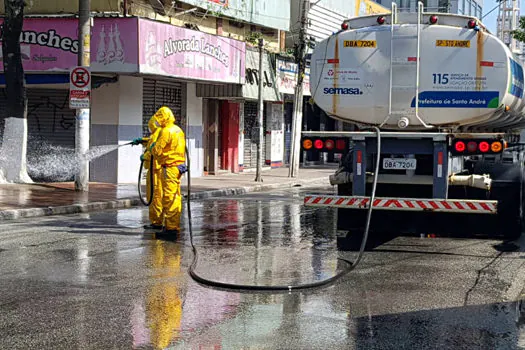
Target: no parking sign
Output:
[(79, 88)]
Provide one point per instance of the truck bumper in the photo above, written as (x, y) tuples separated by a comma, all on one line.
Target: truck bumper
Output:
[(404, 204)]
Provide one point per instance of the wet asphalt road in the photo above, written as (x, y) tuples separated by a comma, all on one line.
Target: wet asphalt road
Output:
[(97, 282)]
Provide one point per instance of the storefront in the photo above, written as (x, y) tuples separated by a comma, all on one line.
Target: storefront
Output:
[(49, 50), (229, 105), (272, 121), (178, 59), (137, 66)]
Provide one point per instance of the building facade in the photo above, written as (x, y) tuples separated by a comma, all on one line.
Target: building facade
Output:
[(143, 56), (461, 7)]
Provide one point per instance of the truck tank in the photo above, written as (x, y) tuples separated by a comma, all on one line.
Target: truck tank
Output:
[(467, 79)]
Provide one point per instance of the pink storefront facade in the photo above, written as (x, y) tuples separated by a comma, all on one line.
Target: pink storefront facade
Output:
[(137, 65)]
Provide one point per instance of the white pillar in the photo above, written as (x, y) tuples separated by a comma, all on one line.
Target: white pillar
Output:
[(130, 126), (241, 137), (194, 130), (116, 116)]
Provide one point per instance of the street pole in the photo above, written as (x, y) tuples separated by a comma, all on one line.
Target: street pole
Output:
[(258, 175), (82, 124), (297, 117)]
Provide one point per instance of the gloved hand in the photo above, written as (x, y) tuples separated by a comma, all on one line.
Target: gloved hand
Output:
[(142, 157), (137, 141), (182, 168)]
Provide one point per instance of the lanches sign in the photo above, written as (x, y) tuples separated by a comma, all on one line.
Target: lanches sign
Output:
[(254, 78)]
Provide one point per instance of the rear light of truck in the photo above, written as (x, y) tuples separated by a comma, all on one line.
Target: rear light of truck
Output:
[(473, 147), (328, 145), (496, 147), (459, 146), (484, 147), (307, 144)]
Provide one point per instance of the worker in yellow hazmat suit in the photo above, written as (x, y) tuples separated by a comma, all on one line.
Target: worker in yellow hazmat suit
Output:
[(155, 209), (169, 150)]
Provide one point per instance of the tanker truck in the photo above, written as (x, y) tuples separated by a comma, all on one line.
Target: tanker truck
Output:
[(445, 99)]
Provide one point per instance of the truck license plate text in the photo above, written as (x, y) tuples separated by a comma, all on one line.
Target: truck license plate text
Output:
[(399, 163), (360, 43)]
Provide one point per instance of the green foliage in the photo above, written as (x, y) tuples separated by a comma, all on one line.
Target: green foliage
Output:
[(288, 53), (519, 34), (253, 38)]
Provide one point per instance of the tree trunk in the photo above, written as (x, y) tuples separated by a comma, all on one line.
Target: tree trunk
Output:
[(14, 145)]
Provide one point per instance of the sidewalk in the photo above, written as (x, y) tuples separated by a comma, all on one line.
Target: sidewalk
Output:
[(23, 201)]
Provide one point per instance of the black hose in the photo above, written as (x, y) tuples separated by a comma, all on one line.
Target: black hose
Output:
[(283, 288), (150, 178)]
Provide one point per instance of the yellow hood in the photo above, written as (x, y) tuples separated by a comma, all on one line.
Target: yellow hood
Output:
[(165, 117), (152, 125)]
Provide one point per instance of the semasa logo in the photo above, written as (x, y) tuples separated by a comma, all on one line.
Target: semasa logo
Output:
[(343, 91)]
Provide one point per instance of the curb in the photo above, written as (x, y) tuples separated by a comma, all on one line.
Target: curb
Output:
[(250, 189), (14, 214)]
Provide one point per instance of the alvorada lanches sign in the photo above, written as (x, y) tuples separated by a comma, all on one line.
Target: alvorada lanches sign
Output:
[(132, 45)]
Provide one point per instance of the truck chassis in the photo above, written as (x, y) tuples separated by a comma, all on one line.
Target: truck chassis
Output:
[(445, 193)]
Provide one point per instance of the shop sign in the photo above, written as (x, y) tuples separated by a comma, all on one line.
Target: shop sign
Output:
[(250, 89), (51, 45), (183, 53), (287, 78)]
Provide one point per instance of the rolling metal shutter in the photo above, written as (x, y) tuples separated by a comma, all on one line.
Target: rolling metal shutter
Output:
[(250, 147), (251, 134), (288, 114), (49, 118), (158, 93)]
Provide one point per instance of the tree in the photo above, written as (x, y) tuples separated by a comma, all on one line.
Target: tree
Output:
[(14, 142), (519, 34)]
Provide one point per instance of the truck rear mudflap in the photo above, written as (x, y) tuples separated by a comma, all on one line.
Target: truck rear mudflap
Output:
[(404, 204)]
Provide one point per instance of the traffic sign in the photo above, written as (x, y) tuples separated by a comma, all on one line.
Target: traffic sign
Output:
[(79, 88)]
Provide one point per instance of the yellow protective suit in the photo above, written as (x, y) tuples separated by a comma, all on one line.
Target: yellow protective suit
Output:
[(155, 209), (169, 151)]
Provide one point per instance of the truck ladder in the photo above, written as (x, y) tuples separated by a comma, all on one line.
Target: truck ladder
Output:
[(399, 63)]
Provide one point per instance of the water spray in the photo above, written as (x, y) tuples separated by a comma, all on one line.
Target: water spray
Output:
[(48, 162)]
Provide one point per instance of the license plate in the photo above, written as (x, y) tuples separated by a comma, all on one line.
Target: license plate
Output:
[(399, 163)]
